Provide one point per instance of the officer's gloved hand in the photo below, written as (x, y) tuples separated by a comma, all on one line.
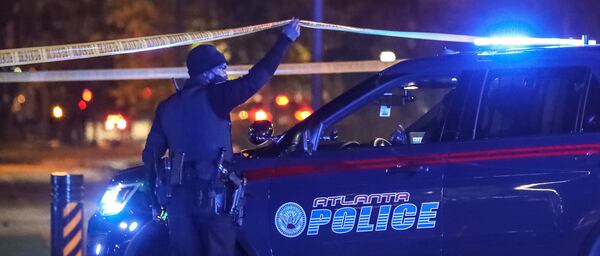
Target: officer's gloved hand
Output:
[(292, 30)]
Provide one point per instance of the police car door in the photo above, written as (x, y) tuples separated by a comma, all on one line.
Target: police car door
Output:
[(372, 184), (514, 187)]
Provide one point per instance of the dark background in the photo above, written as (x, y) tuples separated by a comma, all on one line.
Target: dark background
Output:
[(27, 23), (33, 144)]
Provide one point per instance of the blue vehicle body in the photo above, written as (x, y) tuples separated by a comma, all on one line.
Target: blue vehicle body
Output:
[(472, 181), (106, 234)]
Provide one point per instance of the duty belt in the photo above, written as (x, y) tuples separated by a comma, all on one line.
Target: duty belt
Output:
[(228, 201)]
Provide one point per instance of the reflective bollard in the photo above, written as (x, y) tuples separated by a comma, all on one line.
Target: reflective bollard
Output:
[(67, 214)]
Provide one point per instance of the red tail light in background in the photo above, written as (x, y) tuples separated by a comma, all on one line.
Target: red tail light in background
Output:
[(82, 105)]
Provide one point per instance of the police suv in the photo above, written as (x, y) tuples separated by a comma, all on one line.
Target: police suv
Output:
[(493, 153)]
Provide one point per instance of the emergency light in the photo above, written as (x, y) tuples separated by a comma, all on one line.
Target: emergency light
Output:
[(530, 41)]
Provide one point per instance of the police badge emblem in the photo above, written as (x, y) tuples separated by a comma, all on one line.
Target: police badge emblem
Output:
[(290, 219)]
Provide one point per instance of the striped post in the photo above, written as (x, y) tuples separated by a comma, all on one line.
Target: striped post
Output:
[(67, 214)]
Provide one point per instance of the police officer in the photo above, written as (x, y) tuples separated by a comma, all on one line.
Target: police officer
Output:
[(194, 125)]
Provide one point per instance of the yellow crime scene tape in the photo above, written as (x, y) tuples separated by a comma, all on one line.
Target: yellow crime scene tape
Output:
[(340, 67), (43, 54), (392, 33), (33, 55)]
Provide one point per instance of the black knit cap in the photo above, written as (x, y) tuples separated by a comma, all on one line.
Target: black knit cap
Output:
[(203, 58)]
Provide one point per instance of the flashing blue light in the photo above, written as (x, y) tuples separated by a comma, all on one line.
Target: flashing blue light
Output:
[(528, 41), (133, 226), (98, 249), (123, 225)]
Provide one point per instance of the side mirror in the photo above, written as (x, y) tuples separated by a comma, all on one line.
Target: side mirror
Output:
[(260, 131)]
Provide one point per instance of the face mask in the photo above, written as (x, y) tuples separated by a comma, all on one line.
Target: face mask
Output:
[(218, 79)]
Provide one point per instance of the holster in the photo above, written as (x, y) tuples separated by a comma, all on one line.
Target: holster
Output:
[(224, 194), (169, 173), (177, 168), (162, 187), (237, 203), (235, 186)]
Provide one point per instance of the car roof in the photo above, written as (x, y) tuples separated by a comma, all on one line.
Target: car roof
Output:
[(509, 58), (456, 63)]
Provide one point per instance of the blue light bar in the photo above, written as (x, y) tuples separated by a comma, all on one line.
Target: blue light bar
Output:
[(527, 41)]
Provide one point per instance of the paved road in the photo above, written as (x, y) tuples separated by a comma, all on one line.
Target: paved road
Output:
[(25, 218), (25, 190)]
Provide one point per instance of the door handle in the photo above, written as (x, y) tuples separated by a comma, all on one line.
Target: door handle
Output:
[(592, 156)]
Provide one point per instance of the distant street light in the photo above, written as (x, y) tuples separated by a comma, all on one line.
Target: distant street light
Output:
[(302, 113), (243, 115), (87, 95), (282, 100), (57, 112), (147, 93), (387, 56), (261, 115), (21, 98)]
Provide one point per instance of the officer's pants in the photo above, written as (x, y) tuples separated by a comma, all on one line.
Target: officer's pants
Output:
[(194, 233)]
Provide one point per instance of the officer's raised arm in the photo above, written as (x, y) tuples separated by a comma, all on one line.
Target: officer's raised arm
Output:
[(238, 91)]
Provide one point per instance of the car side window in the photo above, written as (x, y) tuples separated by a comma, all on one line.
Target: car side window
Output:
[(408, 113), (591, 119), (525, 102)]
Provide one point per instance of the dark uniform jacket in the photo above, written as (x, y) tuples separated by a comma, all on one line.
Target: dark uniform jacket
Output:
[(196, 120)]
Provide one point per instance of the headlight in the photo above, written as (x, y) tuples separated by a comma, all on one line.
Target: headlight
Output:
[(116, 197)]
